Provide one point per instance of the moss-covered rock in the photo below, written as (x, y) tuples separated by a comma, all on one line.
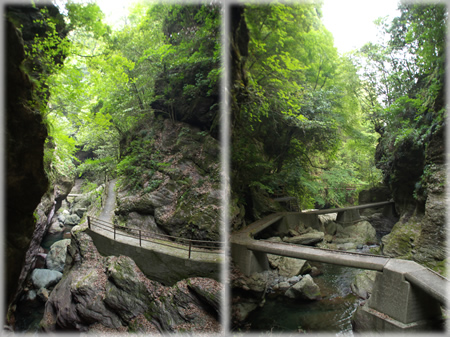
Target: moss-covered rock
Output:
[(402, 240), (361, 232), (187, 200), (112, 294)]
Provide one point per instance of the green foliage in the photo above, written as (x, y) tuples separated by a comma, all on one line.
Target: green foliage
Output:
[(138, 167), (407, 71), (107, 83), (298, 111)]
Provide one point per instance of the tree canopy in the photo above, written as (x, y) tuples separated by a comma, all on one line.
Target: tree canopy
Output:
[(299, 115), (113, 79)]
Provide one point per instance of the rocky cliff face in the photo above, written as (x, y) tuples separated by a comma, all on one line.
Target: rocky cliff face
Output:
[(417, 179), (26, 133), (181, 195), (110, 294), (25, 178)]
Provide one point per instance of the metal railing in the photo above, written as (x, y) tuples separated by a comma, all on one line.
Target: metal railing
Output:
[(190, 245)]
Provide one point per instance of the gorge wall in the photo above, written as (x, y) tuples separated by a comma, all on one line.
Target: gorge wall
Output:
[(26, 133), (416, 175)]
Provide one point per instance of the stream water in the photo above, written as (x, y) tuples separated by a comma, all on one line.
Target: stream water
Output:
[(332, 314)]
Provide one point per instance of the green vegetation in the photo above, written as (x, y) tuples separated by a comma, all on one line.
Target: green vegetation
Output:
[(114, 80), (299, 128), (305, 120), (404, 86)]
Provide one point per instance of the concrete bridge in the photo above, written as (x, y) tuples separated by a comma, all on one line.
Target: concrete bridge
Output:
[(163, 258), (406, 296)]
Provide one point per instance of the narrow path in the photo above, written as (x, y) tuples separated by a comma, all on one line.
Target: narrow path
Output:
[(158, 245), (108, 209)]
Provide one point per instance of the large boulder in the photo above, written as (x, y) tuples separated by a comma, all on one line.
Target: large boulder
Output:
[(143, 222), (363, 284), (56, 226), (288, 266), (361, 232), (72, 220), (306, 288), (241, 310), (146, 203), (330, 227), (45, 278), (56, 257), (101, 294)]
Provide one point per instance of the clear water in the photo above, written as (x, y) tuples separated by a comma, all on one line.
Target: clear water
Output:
[(50, 239), (332, 314)]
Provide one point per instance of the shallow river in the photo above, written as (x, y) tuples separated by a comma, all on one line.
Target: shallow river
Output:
[(332, 314)]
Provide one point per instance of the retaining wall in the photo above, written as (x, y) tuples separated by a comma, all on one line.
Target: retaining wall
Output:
[(160, 267)]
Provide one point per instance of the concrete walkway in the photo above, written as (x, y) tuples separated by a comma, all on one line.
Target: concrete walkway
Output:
[(108, 210), (104, 227), (350, 208), (250, 254)]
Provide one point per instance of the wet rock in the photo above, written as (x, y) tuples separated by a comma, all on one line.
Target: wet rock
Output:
[(327, 220), (309, 239), (305, 289), (145, 203), (330, 228), (294, 279), (85, 200), (381, 223), (39, 261), (402, 240), (363, 283), (62, 217), (179, 309), (274, 239), (55, 227), (45, 278), (243, 309), (257, 282), (346, 246), (288, 266), (315, 272), (56, 257)]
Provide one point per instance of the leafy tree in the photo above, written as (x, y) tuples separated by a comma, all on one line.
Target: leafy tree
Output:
[(407, 72), (297, 111)]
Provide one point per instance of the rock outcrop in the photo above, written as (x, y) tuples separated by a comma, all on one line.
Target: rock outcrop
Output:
[(420, 234), (183, 197), (56, 257), (26, 133), (111, 294)]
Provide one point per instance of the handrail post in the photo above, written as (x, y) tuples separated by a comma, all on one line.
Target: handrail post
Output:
[(140, 239), (190, 246), (89, 222), (114, 226)]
